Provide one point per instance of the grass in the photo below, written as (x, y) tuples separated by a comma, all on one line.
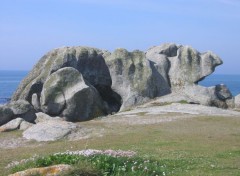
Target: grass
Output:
[(168, 103), (100, 165), (193, 146)]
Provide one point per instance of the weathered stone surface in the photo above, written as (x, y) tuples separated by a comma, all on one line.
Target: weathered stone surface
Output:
[(223, 92), (81, 58), (6, 114), (196, 94), (132, 77), (160, 65), (15, 124), (23, 109), (80, 83), (36, 102), (189, 66), (203, 95), (237, 101), (167, 49), (182, 65), (47, 171), (50, 130), (172, 98), (25, 125), (11, 125), (66, 94), (41, 117)]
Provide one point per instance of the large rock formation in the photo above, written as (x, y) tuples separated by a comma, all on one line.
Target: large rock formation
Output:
[(65, 93), (134, 78), (81, 83)]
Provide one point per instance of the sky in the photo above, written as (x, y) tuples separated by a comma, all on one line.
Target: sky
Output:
[(30, 28)]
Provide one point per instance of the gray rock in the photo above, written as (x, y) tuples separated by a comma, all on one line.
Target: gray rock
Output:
[(230, 103), (50, 130), (237, 101), (25, 125), (204, 95), (133, 77), (88, 61), (81, 83), (66, 94), (23, 109), (84, 59), (167, 49), (15, 109), (222, 92), (160, 66), (182, 67), (11, 125), (172, 98), (189, 66), (41, 117), (36, 102), (6, 114)]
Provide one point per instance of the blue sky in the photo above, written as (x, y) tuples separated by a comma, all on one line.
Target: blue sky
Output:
[(30, 28)]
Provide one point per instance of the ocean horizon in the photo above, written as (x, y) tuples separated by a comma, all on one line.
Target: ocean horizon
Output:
[(10, 80)]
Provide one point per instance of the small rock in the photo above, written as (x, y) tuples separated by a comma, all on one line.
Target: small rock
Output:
[(41, 117), (223, 92), (50, 130), (6, 114), (237, 101), (25, 125), (12, 125), (36, 102), (48, 171), (23, 109)]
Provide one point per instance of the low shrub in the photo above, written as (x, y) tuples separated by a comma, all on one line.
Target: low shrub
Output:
[(99, 164)]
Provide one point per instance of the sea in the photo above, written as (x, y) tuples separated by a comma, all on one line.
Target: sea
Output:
[(9, 81)]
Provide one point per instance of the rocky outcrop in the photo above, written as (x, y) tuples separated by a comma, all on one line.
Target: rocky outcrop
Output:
[(82, 88), (81, 83), (208, 96), (66, 94), (183, 67), (133, 77)]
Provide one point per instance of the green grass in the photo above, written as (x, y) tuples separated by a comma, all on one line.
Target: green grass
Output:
[(195, 146), (103, 164), (168, 103)]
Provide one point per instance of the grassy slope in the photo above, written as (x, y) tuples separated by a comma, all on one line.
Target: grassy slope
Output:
[(196, 146)]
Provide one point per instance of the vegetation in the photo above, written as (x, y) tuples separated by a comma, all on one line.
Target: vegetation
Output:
[(192, 146), (100, 165)]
